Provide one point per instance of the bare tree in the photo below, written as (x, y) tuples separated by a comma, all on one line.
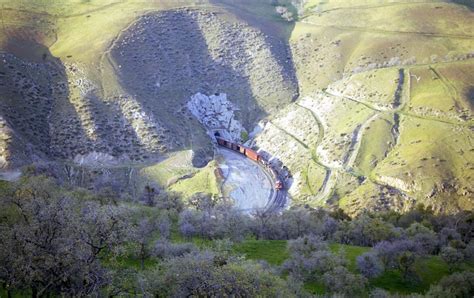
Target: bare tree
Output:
[(142, 235), (52, 243)]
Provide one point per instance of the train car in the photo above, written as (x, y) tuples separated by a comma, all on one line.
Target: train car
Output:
[(224, 143), (221, 142), (252, 154), (278, 185)]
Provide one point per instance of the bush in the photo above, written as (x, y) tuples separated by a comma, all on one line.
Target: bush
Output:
[(447, 235), (369, 265), (310, 258), (306, 245), (164, 249), (341, 281), (388, 252), (469, 251), (206, 274), (424, 236), (406, 263), (459, 285), (452, 257)]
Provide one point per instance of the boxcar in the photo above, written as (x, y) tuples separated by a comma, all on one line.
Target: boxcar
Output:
[(221, 142), (252, 154), (278, 185)]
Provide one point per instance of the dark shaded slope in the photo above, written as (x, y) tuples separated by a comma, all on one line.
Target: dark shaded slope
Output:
[(166, 57)]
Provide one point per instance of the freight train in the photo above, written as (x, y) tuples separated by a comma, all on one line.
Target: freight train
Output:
[(253, 155)]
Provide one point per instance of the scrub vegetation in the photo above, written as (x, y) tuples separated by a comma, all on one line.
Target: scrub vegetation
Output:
[(58, 240)]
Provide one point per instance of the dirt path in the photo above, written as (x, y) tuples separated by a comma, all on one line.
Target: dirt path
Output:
[(400, 111), (356, 141), (450, 89), (368, 105), (318, 122), (363, 7), (390, 32), (330, 179)]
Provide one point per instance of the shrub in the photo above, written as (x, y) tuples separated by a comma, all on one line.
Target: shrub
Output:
[(341, 281), (459, 285), (388, 252), (379, 293), (310, 258), (406, 263), (164, 249), (369, 265), (469, 251), (452, 257), (206, 274)]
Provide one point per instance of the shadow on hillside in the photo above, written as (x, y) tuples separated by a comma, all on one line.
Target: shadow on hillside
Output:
[(468, 3), (470, 97), (167, 64), (276, 29), (35, 82)]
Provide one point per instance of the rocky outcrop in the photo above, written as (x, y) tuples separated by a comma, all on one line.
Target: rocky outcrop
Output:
[(167, 57), (217, 114)]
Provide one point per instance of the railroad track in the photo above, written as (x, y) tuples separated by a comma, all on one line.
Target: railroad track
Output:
[(277, 197)]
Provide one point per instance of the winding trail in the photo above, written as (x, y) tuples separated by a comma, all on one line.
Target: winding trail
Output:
[(329, 182), (450, 89), (356, 141), (290, 135), (376, 6), (350, 157), (390, 32), (330, 178), (318, 122), (368, 105), (399, 110)]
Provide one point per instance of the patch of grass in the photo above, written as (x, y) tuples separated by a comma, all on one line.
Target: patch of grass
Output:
[(430, 270), (130, 262), (15, 294), (351, 253), (374, 144), (203, 181), (272, 251), (432, 152), (177, 165), (313, 177), (315, 288), (275, 251), (437, 91)]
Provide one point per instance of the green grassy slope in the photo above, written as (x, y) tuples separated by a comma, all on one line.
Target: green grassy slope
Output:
[(394, 101)]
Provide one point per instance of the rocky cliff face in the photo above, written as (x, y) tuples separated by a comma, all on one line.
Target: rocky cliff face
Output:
[(217, 115)]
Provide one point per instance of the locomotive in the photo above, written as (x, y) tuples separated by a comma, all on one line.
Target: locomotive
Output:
[(253, 155)]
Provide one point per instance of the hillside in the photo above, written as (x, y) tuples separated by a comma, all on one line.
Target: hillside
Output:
[(369, 105), (383, 123)]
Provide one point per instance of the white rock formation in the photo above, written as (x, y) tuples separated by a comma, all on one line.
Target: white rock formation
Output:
[(216, 113)]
